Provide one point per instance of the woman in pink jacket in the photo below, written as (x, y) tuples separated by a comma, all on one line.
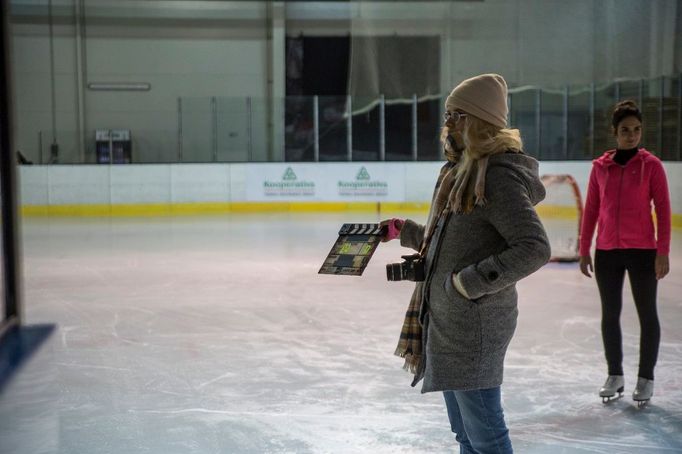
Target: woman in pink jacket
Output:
[(623, 184)]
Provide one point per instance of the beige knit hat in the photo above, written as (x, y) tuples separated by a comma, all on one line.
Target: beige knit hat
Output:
[(483, 96)]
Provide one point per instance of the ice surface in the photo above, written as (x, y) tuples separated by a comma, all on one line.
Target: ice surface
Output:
[(217, 335)]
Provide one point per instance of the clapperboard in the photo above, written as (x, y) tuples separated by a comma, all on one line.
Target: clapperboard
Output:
[(353, 249)]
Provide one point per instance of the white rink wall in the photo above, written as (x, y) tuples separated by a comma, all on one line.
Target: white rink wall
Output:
[(142, 184)]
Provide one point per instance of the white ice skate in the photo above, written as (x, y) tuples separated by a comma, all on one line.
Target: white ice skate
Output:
[(614, 384), (643, 391)]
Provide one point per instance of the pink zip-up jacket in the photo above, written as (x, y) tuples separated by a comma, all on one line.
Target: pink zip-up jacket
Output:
[(619, 202)]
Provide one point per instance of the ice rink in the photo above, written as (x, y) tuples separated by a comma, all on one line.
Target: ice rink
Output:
[(217, 335)]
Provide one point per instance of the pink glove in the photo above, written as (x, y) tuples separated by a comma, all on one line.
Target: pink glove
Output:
[(394, 226)]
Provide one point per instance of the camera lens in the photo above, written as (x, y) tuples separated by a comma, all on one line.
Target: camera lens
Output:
[(393, 272)]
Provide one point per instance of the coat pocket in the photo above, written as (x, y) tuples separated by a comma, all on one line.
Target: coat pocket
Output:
[(454, 296), (454, 322)]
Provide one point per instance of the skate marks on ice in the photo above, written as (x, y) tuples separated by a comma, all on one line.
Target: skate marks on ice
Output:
[(556, 366), (618, 426), (217, 335)]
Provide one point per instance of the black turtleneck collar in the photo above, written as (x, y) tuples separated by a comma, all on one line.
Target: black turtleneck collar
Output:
[(621, 157)]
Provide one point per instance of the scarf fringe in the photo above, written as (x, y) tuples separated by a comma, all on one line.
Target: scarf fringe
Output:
[(412, 361), (411, 367)]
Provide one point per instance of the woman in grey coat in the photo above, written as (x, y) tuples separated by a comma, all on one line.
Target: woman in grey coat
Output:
[(482, 236)]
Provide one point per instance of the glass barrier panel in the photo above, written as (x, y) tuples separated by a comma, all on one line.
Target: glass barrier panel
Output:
[(299, 134), (579, 131), (630, 89), (604, 100), (399, 129), (151, 146), (429, 123), (552, 134), (651, 108), (196, 123), (571, 123), (333, 128), (670, 127), (261, 146), (66, 150), (366, 138), (234, 129), (525, 117)]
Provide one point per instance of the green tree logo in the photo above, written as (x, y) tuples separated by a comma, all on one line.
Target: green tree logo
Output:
[(289, 175), (363, 174)]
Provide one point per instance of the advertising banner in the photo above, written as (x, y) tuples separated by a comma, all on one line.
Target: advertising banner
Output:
[(282, 182), (370, 182), (338, 182)]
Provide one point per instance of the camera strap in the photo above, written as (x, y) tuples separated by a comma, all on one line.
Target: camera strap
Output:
[(440, 203), (432, 229)]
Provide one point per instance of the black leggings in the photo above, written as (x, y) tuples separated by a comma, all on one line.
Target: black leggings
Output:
[(609, 271)]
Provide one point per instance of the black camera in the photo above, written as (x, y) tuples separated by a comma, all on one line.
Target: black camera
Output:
[(412, 269)]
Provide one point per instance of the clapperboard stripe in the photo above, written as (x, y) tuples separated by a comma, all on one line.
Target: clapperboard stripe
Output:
[(365, 229), (360, 229)]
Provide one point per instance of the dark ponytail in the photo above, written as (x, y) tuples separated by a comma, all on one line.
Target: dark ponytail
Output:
[(623, 110)]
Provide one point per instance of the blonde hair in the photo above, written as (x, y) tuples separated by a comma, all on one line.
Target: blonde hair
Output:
[(484, 139), (450, 153), (481, 139)]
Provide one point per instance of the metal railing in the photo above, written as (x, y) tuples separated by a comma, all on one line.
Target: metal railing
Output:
[(566, 123)]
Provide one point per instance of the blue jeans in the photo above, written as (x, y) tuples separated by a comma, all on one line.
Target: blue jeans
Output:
[(477, 419)]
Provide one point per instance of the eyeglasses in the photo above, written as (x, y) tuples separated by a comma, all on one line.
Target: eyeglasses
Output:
[(454, 116)]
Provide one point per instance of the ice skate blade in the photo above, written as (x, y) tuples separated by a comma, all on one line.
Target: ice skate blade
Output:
[(642, 403), (607, 399)]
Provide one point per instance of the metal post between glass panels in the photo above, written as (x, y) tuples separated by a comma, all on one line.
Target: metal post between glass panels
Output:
[(414, 127), (661, 93), (565, 125), (249, 129), (679, 117), (111, 147), (179, 129), (214, 129), (53, 83), (349, 128), (316, 128), (617, 91), (382, 128), (40, 146), (592, 120), (538, 121)]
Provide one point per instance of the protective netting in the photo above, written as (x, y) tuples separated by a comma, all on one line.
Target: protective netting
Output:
[(561, 213)]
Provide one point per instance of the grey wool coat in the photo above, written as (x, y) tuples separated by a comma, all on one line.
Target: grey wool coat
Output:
[(490, 249)]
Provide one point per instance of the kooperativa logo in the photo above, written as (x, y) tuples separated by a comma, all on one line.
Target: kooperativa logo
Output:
[(363, 174), (363, 186), (289, 186), (289, 175)]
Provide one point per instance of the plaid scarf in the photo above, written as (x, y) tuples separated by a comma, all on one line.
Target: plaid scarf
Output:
[(410, 342), (451, 193)]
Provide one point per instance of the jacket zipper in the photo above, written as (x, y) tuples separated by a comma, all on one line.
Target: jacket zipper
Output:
[(620, 189)]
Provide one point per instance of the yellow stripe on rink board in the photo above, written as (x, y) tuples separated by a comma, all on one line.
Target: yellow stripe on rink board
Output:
[(557, 211), (677, 221), (122, 210), (216, 208), (66, 210), (303, 207), (133, 210)]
